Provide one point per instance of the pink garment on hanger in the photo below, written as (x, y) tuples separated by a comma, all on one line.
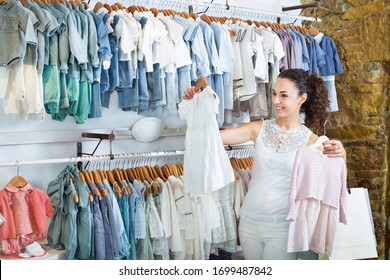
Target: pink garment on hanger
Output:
[(38, 205), (317, 201)]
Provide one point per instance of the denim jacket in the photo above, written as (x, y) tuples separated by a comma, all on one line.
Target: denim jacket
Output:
[(332, 60)]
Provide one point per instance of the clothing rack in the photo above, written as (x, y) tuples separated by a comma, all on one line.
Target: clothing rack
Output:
[(220, 10), (139, 155)]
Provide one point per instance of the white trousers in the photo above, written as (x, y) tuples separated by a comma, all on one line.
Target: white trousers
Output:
[(264, 241)]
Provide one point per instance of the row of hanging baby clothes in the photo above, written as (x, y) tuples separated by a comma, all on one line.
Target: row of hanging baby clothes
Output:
[(85, 223), (317, 53)]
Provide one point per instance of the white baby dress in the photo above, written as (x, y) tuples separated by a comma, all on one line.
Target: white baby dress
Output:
[(206, 165)]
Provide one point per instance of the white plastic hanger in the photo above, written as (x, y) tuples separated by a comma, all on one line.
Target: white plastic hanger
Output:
[(323, 137)]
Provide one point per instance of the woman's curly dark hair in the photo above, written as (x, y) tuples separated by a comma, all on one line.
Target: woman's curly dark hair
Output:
[(316, 105)]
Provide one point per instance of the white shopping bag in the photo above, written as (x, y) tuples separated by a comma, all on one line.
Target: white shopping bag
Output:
[(356, 239)]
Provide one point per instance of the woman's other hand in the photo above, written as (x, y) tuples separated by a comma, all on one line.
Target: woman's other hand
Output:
[(190, 92), (334, 148)]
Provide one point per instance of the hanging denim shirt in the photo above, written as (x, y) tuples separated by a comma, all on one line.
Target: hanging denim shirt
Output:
[(84, 220), (108, 238), (104, 78), (305, 54), (316, 54), (333, 64), (103, 52), (62, 232), (137, 207), (124, 250), (113, 72), (99, 244), (117, 226), (55, 192), (131, 211), (69, 227)]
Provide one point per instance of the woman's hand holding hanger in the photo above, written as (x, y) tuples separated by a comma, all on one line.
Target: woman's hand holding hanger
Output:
[(190, 92), (334, 148), (201, 83)]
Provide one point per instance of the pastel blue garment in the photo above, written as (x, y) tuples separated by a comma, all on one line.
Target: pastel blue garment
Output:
[(117, 226), (296, 50), (138, 223), (62, 231), (183, 81), (305, 54), (114, 68), (127, 94), (104, 53), (84, 220), (193, 36), (70, 41), (16, 22), (211, 48), (332, 60), (55, 192), (131, 232), (143, 94), (104, 50), (123, 205), (45, 26), (69, 227), (95, 110), (316, 54), (171, 94), (99, 244), (108, 238)]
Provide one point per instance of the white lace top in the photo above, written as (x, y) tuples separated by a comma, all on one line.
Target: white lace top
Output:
[(274, 155)]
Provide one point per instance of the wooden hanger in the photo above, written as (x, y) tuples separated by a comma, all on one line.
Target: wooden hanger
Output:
[(202, 82), (81, 176), (155, 11), (75, 196), (114, 7), (193, 15), (165, 171), (97, 7), (186, 15), (159, 172), (132, 9), (205, 18), (114, 184), (108, 7), (118, 177), (18, 181), (130, 175), (86, 5), (140, 173), (120, 6)]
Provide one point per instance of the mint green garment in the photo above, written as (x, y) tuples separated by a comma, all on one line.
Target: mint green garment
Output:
[(51, 91)]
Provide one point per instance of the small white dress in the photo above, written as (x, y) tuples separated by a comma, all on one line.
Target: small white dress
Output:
[(206, 164)]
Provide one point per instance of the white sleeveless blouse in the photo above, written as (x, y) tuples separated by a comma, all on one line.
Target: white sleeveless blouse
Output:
[(274, 155)]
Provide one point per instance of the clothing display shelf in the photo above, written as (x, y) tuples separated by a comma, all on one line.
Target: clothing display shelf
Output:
[(220, 10), (140, 155)]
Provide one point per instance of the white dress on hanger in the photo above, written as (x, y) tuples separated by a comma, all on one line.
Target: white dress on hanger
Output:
[(206, 165)]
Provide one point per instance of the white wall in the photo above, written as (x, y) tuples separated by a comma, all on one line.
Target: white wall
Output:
[(33, 132)]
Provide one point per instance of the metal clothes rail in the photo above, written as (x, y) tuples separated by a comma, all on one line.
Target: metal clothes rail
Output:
[(18, 163), (215, 9)]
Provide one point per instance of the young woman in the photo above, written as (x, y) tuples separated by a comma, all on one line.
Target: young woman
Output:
[(263, 228)]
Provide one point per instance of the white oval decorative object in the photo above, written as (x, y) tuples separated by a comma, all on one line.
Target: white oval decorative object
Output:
[(147, 129)]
